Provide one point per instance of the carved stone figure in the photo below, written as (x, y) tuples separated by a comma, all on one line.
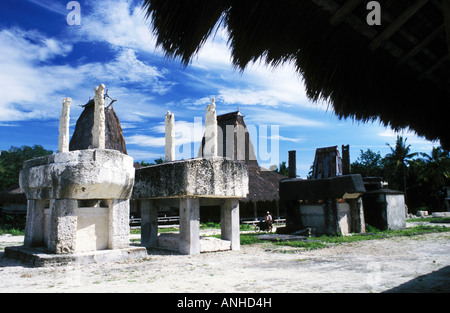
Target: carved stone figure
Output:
[(63, 142), (210, 149), (98, 135), (170, 137)]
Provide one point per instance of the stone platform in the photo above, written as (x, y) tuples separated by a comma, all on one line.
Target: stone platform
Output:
[(40, 257), (188, 185), (207, 244)]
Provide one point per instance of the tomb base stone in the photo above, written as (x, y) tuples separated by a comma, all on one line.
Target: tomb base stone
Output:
[(78, 208)]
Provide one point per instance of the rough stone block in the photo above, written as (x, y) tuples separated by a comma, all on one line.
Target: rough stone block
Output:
[(212, 177), (81, 174), (346, 186)]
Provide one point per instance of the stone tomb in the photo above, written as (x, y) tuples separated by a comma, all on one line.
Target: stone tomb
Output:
[(188, 185), (383, 208), (78, 202), (329, 205)]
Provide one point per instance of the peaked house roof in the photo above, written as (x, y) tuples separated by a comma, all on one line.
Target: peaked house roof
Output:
[(263, 183), (82, 136)]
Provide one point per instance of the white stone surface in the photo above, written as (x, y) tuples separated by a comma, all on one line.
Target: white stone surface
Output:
[(63, 142), (169, 122), (98, 131), (92, 229), (215, 177), (80, 174)]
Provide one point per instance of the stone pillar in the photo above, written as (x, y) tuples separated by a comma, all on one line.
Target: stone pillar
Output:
[(62, 226), (210, 148), (189, 226), (229, 220), (346, 170), (170, 137), (331, 219), (98, 134), (119, 223), (293, 216), (292, 165), (63, 142), (34, 229), (149, 223), (358, 224)]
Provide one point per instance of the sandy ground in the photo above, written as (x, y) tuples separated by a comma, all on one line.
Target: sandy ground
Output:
[(401, 264)]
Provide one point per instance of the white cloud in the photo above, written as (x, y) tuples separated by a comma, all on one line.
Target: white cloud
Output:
[(120, 24), (145, 141), (185, 133), (51, 5), (143, 155), (33, 88), (279, 117)]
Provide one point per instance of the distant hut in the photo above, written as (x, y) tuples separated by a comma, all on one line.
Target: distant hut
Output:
[(13, 201), (263, 193), (82, 136)]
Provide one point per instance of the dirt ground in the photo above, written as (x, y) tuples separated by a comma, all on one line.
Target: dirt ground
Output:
[(400, 264)]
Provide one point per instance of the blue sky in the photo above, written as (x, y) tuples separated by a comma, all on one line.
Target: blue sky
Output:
[(43, 60)]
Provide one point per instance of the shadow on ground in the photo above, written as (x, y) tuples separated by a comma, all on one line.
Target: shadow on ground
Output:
[(435, 282)]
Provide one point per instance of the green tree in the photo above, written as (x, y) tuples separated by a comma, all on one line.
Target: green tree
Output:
[(283, 169), (437, 167), (156, 161), (160, 161), (11, 162), (368, 164), (435, 172), (396, 163)]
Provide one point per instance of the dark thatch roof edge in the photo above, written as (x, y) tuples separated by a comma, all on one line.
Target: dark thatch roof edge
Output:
[(334, 61)]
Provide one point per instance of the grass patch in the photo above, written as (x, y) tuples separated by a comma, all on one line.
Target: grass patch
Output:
[(308, 245), (12, 231), (431, 220), (325, 241), (12, 224)]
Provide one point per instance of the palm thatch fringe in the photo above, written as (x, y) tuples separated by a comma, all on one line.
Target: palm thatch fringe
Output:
[(334, 60)]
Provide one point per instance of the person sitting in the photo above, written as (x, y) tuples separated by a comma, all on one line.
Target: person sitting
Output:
[(268, 220)]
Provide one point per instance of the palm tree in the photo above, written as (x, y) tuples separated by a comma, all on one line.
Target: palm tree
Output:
[(397, 162), (436, 170)]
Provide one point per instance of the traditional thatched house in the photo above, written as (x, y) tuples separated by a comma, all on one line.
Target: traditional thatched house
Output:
[(13, 201), (379, 60), (235, 143), (82, 136)]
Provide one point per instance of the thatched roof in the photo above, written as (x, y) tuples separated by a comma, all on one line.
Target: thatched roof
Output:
[(82, 136), (263, 184), (397, 72), (13, 195)]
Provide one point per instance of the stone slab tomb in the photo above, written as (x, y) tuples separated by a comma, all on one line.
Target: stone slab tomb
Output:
[(331, 204), (78, 201), (188, 185), (383, 208)]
